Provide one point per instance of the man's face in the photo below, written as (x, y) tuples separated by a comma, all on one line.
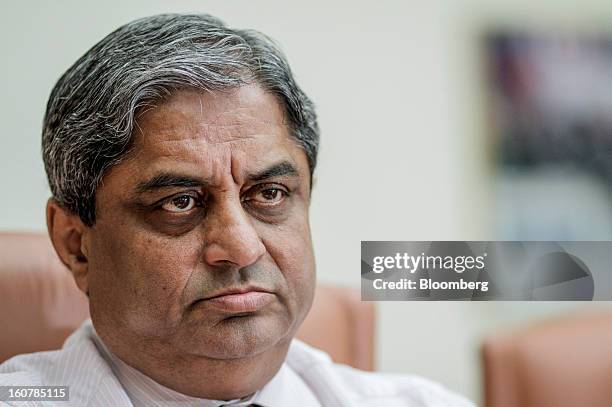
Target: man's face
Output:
[(202, 241)]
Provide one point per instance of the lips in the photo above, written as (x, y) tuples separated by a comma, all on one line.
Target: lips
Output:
[(238, 301)]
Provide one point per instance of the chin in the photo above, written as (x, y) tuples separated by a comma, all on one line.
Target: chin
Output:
[(240, 337)]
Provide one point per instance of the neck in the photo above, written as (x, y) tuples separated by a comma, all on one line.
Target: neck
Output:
[(200, 376)]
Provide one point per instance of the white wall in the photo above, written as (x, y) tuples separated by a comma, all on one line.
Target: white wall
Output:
[(403, 153)]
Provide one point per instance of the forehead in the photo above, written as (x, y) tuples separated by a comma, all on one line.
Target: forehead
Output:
[(245, 124)]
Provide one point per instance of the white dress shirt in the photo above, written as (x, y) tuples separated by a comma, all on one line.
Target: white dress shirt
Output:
[(308, 378)]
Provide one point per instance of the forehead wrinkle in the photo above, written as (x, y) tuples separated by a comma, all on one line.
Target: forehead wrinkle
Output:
[(182, 129), (228, 111), (244, 108), (215, 133), (206, 134), (235, 166), (240, 113), (230, 132)]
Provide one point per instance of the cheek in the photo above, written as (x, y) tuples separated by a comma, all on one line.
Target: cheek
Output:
[(138, 279), (291, 248)]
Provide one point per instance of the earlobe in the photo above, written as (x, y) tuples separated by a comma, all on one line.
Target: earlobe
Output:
[(69, 237)]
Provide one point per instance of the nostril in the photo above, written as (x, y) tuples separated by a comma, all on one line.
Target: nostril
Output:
[(231, 237), (239, 252)]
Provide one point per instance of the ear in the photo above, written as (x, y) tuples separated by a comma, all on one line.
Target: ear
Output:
[(69, 236)]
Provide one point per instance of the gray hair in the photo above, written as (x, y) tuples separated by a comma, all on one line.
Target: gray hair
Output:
[(91, 111)]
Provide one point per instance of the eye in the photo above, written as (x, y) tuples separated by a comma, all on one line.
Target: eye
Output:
[(269, 196), (272, 194), (179, 204)]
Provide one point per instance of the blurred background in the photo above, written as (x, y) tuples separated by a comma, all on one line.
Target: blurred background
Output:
[(442, 120)]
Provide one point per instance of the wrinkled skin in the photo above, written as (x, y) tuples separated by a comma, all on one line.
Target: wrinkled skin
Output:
[(213, 195)]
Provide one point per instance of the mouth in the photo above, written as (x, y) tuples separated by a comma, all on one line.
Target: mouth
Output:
[(241, 300)]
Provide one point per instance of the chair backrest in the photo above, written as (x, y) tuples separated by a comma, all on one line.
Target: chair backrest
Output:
[(561, 363), (40, 306)]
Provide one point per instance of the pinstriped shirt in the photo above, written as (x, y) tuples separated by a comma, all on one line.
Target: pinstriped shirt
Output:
[(308, 378)]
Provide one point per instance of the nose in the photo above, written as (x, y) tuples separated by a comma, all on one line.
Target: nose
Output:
[(231, 238)]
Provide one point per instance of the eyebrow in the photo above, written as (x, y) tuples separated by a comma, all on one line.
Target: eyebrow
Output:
[(169, 179), (284, 168)]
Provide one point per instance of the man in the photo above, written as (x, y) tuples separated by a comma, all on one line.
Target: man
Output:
[(180, 156)]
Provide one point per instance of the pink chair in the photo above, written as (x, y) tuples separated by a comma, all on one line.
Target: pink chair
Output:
[(565, 362)]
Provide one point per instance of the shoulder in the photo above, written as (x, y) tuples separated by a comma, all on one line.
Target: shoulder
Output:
[(402, 390), (79, 354), (78, 365), (344, 385)]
